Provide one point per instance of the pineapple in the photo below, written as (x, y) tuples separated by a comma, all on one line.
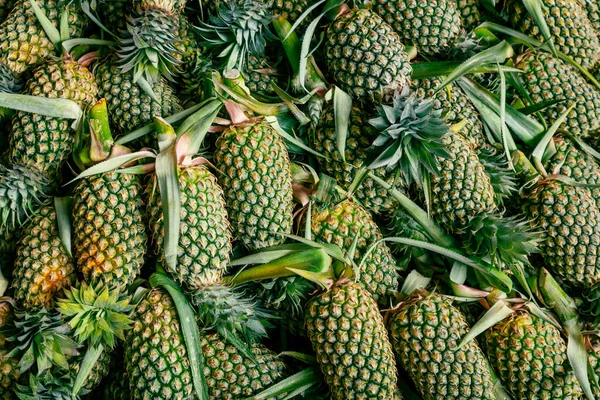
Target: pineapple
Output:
[(156, 358), (340, 224), (547, 78), (360, 135), (9, 375), (205, 235), (128, 106), (43, 267), (109, 234), (23, 41), (259, 75), (568, 218), (593, 12), (425, 331), (365, 57), (113, 15), (570, 28), (469, 12), (231, 375), (462, 190), (530, 356), (573, 162), (431, 26), (351, 344), (39, 145), (257, 183)]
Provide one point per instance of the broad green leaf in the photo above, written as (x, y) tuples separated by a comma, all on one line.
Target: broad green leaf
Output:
[(432, 69), (52, 33), (342, 106), (113, 163), (85, 368), (535, 10), (57, 108), (578, 358), (62, 205), (304, 379), (414, 281), (70, 44), (538, 152), (495, 314)]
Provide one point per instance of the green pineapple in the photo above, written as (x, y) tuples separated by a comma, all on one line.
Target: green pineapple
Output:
[(359, 138), (260, 72), (365, 57), (113, 15), (257, 183), (205, 235), (156, 358), (593, 12), (469, 12), (43, 268), (431, 26), (571, 161), (195, 64), (530, 356), (570, 28), (232, 375), (425, 331), (568, 218), (463, 189), (340, 224), (39, 145), (9, 375), (351, 344), (129, 106), (547, 78), (24, 43)]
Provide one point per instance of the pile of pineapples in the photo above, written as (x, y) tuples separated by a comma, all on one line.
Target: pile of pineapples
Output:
[(244, 199)]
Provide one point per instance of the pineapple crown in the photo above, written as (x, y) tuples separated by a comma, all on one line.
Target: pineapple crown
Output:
[(47, 386), (502, 177), (148, 46), (96, 313), (238, 29), (286, 293), (230, 313), (411, 137), (41, 338), (500, 239)]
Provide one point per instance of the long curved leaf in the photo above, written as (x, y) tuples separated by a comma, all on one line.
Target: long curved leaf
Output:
[(57, 108)]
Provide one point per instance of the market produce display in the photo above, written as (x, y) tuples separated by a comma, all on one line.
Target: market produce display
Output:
[(244, 199)]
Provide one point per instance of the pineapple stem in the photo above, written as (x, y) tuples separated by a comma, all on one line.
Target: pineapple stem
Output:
[(293, 49), (101, 138), (524, 167), (315, 261), (555, 297), (435, 232)]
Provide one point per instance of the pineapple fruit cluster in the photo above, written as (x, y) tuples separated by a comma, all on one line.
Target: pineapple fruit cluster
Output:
[(241, 199)]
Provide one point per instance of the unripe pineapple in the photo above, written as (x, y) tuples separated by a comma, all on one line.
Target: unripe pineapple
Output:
[(9, 375), (43, 267), (129, 106), (259, 74), (109, 236), (425, 331), (531, 358), (351, 344), (156, 358), (360, 136), (340, 224), (462, 190), (365, 56), (431, 26), (204, 237), (469, 12), (257, 183), (569, 219), (547, 78), (231, 375), (570, 28), (573, 162), (23, 41)]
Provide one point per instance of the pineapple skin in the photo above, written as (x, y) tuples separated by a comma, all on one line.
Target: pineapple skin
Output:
[(530, 357), (463, 189), (340, 224), (432, 26), (568, 219), (425, 332), (257, 183), (547, 78), (359, 138), (348, 335), (469, 13), (43, 268), (231, 375), (129, 107), (571, 30), (204, 234), (156, 358), (109, 234), (23, 42), (365, 57)]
